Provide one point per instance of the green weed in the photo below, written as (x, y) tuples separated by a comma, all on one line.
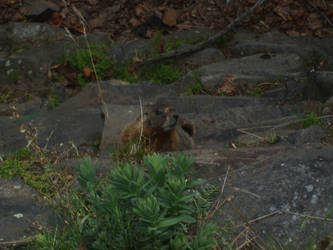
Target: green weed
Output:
[(257, 92), (139, 207), (160, 73), (121, 72), (156, 42), (25, 163), (54, 101), (196, 88), (273, 137), (310, 119), (81, 59)]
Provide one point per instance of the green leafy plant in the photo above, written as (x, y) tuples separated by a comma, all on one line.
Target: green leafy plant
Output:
[(257, 92), (81, 58), (54, 101), (161, 73), (196, 88), (158, 43), (273, 137), (121, 72), (311, 119), (224, 40), (148, 207)]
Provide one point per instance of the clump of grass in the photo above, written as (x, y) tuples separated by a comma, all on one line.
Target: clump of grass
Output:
[(160, 73), (133, 151), (273, 137), (54, 101), (196, 88), (27, 164), (257, 92), (99, 62), (311, 119)]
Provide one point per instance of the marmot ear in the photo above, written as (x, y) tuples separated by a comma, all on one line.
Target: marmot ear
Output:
[(188, 127)]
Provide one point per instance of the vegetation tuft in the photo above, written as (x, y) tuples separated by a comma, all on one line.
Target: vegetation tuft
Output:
[(27, 164), (154, 206), (196, 88), (105, 67), (161, 73), (311, 119), (257, 92), (97, 60)]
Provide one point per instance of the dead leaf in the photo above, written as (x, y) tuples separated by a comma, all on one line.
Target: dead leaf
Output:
[(149, 34), (86, 72), (293, 33), (314, 21), (228, 87), (170, 17), (69, 177), (136, 58), (93, 2), (283, 13), (139, 11), (134, 21), (55, 66), (56, 19)]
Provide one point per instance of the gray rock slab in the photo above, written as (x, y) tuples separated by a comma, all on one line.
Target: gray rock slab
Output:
[(212, 104), (118, 117), (312, 134), (82, 127), (203, 57), (37, 7), (324, 80), (119, 92), (10, 137), (247, 43), (28, 34), (23, 108), (286, 197), (20, 212), (247, 71)]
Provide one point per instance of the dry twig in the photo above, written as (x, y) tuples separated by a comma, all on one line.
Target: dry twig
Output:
[(209, 41)]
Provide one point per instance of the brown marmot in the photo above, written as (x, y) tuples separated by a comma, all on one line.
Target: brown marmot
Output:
[(160, 129)]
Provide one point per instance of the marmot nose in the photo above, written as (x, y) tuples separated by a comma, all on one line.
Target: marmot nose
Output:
[(176, 117)]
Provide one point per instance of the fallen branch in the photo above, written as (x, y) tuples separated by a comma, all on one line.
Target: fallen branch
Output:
[(197, 47)]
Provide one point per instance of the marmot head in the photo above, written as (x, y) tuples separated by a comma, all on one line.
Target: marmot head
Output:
[(158, 117)]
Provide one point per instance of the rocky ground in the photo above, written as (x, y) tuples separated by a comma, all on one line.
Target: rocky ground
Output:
[(262, 105)]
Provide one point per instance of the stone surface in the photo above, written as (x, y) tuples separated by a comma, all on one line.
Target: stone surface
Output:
[(247, 43), (20, 213), (247, 71), (325, 82), (286, 197)]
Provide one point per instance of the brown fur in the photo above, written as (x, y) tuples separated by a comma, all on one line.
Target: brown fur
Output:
[(162, 131)]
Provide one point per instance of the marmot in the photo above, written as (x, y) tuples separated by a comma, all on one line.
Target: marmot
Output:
[(161, 130)]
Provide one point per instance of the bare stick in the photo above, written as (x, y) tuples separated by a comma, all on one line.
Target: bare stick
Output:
[(211, 40)]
